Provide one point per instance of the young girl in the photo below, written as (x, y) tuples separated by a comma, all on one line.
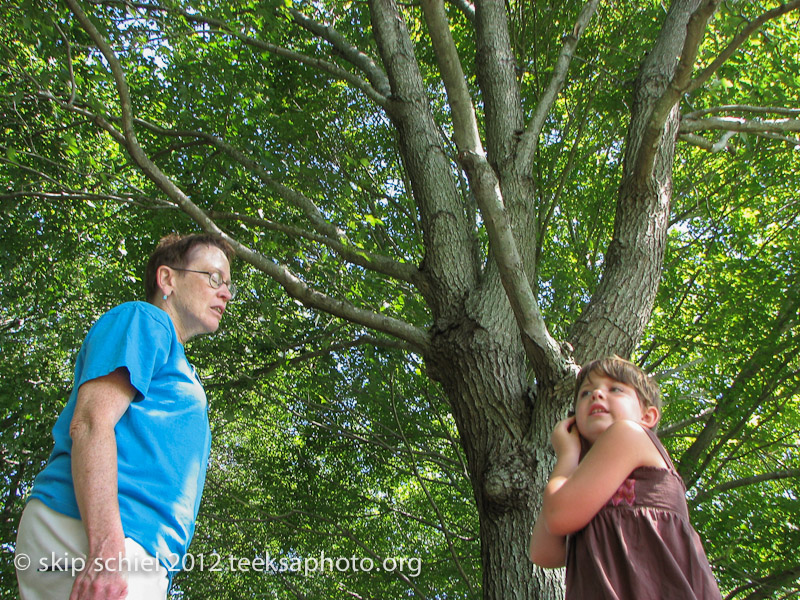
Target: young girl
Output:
[(614, 509)]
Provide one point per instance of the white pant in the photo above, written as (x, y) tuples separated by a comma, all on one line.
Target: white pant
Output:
[(52, 547)]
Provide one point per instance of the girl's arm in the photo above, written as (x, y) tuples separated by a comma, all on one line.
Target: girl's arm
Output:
[(548, 549), (574, 496)]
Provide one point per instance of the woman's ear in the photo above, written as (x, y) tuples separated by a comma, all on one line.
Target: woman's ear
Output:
[(165, 279), (650, 417)]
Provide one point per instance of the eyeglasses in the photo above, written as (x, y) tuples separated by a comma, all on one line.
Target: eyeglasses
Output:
[(214, 280)]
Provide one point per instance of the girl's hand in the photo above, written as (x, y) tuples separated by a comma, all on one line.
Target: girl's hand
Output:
[(576, 490), (566, 440)]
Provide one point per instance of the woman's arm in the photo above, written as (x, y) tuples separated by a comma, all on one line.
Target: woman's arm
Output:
[(101, 403), (573, 498)]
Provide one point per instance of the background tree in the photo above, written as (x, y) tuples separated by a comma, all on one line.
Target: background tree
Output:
[(441, 211)]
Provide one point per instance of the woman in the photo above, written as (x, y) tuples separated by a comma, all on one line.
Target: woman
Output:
[(113, 511)]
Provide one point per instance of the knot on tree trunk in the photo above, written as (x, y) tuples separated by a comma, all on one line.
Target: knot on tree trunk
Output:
[(508, 478)]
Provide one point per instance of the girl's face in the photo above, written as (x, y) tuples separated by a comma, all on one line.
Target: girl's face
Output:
[(602, 401)]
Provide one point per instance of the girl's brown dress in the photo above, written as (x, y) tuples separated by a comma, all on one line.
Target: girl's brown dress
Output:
[(641, 546)]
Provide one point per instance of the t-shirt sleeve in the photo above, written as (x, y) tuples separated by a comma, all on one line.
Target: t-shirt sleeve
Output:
[(127, 337)]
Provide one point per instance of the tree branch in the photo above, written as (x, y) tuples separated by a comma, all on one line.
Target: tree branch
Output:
[(768, 128), (765, 586), (295, 287), (701, 142), (376, 95), (620, 307), (681, 79), (737, 124), (312, 298), (746, 108), (745, 481), (530, 138), (465, 125), (450, 258), (374, 262), (690, 463), (678, 425), (322, 65), (543, 351), (332, 236), (261, 372), (737, 41), (70, 69), (349, 52)]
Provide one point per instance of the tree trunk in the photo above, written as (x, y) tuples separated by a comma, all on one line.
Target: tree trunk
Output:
[(482, 368)]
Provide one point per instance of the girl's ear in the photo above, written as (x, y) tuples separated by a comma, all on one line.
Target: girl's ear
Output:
[(650, 417)]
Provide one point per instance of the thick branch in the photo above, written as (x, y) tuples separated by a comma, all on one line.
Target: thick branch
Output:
[(620, 306), (465, 125), (678, 86), (530, 139), (451, 263), (543, 351), (768, 128), (497, 76), (689, 125)]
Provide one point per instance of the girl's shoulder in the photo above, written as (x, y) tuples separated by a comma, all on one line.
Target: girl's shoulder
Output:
[(640, 442)]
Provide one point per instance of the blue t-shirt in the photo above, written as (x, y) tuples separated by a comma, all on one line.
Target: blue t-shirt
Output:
[(163, 439)]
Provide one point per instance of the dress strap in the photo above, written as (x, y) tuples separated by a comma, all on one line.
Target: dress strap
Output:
[(660, 447)]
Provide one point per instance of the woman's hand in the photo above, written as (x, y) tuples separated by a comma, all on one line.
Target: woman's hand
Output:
[(98, 583)]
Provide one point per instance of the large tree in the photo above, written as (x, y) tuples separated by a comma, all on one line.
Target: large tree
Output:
[(486, 192)]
